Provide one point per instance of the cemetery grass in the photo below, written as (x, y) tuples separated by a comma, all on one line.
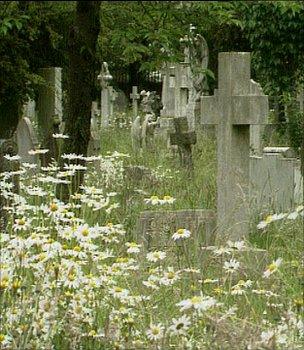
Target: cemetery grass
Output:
[(76, 275)]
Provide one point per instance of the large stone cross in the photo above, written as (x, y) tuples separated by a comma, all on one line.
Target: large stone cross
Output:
[(135, 97), (184, 139), (234, 107)]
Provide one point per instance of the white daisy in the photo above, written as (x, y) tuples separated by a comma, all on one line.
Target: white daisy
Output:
[(133, 247), (155, 332), (200, 303), (273, 267), (181, 233), (231, 266), (156, 256), (180, 326)]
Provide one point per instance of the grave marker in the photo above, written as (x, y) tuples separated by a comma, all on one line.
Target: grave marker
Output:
[(184, 139), (234, 108), (49, 107), (26, 141), (135, 97), (104, 80)]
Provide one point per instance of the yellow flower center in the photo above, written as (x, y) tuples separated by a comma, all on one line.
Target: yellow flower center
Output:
[(118, 289), (85, 232), (154, 197), (155, 331), (166, 198), (71, 276), (2, 337), (16, 284), (170, 275), (272, 267), (77, 248), (53, 207), (195, 300), (21, 222), (180, 231), (268, 219)]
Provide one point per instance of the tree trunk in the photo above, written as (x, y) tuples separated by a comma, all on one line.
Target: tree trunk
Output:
[(81, 76)]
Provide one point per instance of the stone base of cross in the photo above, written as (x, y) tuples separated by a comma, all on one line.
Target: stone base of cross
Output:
[(184, 139)]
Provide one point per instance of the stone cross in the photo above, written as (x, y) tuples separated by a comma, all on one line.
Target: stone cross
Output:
[(26, 141), (234, 108), (104, 79), (182, 85), (184, 140), (135, 97)]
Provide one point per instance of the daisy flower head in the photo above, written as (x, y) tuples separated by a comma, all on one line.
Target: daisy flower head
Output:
[(181, 233), (231, 266), (273, 267), (156, 256), (198, 302), (153, 200), (155, 332), (167, 200), (133, 247), (180, 325)]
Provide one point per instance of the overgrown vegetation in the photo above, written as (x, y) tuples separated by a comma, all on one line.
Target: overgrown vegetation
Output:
[(76, 275)]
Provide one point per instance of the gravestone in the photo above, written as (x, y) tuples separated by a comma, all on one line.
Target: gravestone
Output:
[(184, 139), (168, 91), (104, 79), (113, 97), (49, 107), (234, 107), (94, 142), (276, 183), (182, 85), (26, 141), (134, 97)]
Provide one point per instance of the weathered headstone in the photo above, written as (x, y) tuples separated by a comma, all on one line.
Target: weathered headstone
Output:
[(26, 141), (168, 91), (49, 107), (234, 108), (104, 79), (184, 139), (276, 183), (135, 97), (113, 97)]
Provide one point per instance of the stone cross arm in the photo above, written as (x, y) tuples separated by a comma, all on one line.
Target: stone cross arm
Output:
[(134, 95), (245, 110)]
